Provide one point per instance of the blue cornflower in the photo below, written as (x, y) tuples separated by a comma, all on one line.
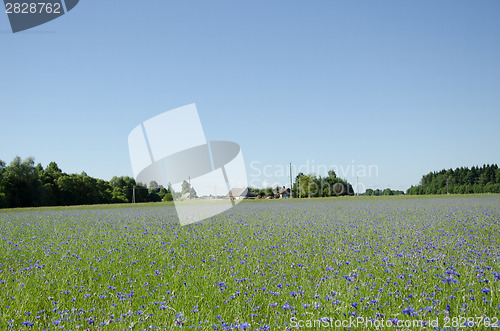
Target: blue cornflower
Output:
[(408, 311), (449, 279), (244, 326)]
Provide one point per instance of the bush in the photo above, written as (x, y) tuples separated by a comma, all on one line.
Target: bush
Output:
[(168, 197)]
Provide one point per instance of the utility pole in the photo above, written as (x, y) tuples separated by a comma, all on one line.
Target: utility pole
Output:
[(357, 186), (447, 192), (291, 187), (133, 194)]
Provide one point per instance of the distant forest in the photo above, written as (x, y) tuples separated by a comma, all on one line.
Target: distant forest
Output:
[(24, 184), (485, 179)]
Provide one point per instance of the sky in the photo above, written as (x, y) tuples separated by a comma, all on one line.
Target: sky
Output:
[(385, 91)]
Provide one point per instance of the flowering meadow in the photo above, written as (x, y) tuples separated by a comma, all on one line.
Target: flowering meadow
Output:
[(254, 267)]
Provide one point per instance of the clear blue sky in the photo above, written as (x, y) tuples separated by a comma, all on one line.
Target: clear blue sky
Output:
[(410, 87)]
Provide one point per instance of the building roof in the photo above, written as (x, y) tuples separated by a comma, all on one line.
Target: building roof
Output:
[(240, 192), (284, 190), (281, 190)]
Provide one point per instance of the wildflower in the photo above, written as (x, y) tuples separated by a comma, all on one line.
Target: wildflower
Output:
[(244, 326), (409, 311)]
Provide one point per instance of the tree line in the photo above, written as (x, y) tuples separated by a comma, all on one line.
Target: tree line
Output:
[(485, 179), (312, 186), (24, 184), (378, 192)]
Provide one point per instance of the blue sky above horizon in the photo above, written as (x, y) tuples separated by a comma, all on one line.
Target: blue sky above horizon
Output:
[(407, 87)]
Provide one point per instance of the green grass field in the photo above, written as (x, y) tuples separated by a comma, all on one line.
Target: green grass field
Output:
[(263, 265)]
